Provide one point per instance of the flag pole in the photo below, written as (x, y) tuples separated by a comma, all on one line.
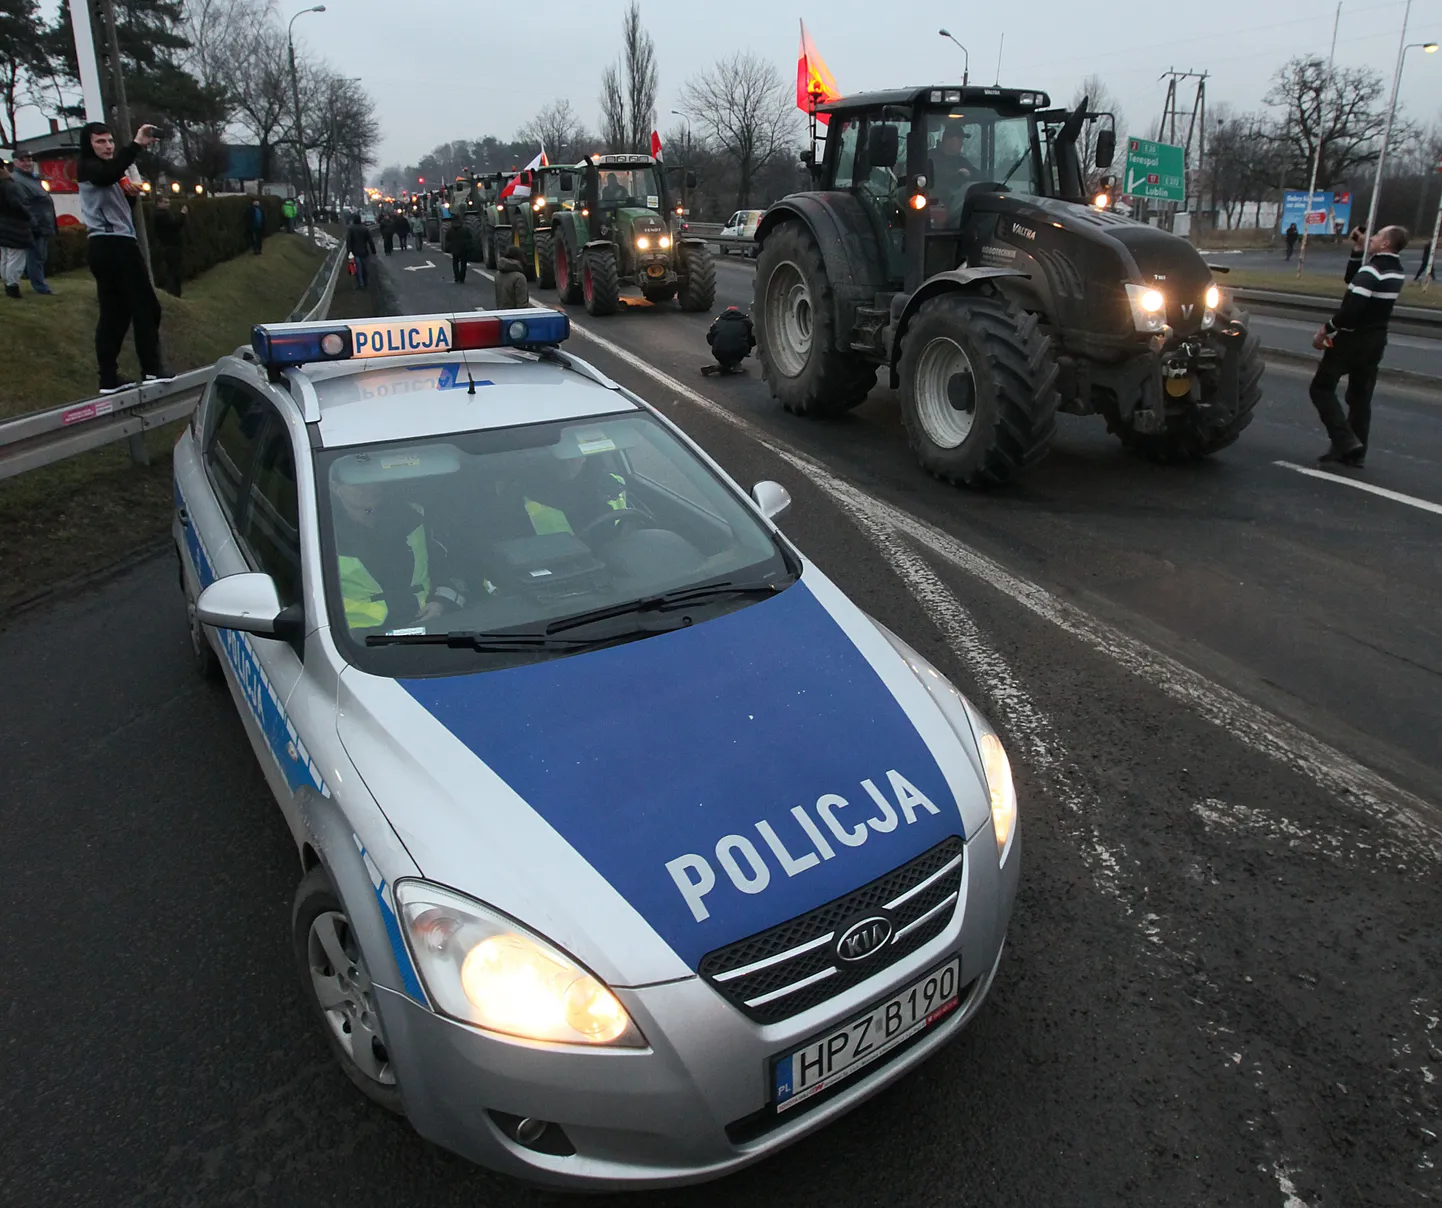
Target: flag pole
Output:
[(1317, 157)]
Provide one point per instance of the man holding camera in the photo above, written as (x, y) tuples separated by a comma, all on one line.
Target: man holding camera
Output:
[(1352, 342)]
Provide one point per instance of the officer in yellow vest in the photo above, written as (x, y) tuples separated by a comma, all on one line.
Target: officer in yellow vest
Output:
[(575, 494), (384, 556)]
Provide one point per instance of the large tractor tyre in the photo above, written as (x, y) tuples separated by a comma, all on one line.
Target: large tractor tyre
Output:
[(500, 241), (544, 261), (600, 286), (477, 229), (978, 389), (1183, 438), (567, 271), (659, 293), (522, 240), (486, 242), (795, 330), (697, 277)]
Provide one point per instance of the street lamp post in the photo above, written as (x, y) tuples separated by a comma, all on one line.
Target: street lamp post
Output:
[(299, 127), (966, 62), (1403, 47), (686, 167)]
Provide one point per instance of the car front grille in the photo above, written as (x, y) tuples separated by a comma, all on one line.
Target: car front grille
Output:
[(779, 973)]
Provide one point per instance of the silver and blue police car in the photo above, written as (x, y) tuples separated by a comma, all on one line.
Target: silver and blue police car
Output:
[(631, 849)]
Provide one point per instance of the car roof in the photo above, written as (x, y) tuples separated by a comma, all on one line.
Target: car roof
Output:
[(395, 398)]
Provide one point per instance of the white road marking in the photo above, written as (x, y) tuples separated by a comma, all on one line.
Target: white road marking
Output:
[(1371, 793), (1284, 1180), (1425, 505), (415, 268)]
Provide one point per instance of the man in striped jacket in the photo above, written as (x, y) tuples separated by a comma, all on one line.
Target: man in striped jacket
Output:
[(1353, 341)]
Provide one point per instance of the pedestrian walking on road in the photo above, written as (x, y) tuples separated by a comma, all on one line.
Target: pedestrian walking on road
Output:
[(170, 235), (362, 247), (42, 220), (418, 231), (458, 243), (1353, 341), (122, 284), (255, 225), (512, 292), (388, 232), (15, 234), (1291, 241)]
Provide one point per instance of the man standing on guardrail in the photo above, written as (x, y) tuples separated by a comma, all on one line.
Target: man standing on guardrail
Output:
[(1352, 343), (122, 282)]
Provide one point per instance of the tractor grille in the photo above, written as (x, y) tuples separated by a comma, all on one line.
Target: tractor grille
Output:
[(779, 973)]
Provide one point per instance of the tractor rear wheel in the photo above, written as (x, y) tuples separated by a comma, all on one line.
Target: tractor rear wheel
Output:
[(1183, 438), (568, 280), (697, 274), (978, 389), (545, 261), (795, 330), (600, 286), (477, 229), (488, 244), (500, 241)]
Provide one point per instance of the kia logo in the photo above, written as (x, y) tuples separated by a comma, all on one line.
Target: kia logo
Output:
[(862, 939)]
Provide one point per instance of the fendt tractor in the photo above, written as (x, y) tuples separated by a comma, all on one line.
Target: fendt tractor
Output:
[(526, 220), (621, 235), (950, 240), (471, 200)]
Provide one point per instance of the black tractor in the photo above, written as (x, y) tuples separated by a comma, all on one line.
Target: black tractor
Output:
[(621, 235), (952, 241)]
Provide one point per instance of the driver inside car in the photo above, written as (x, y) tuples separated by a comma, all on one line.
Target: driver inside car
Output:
[(573, 493)]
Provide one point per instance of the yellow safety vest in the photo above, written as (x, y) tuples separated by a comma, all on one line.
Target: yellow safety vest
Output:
[(546, 519), (365, 606)]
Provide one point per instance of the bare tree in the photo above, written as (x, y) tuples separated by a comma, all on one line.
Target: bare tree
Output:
[(638, 55), (22, 60), (613, 109), (559, 129), (744, 111), (1345, 112), (1099, 99)]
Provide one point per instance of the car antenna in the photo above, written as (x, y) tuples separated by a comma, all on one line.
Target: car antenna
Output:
[(466, 361)]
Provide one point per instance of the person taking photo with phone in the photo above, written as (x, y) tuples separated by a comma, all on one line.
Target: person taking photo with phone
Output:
[(122, 283)]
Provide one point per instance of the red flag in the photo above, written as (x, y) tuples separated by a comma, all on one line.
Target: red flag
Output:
[(520, 185), (656, 146), (815, 84)]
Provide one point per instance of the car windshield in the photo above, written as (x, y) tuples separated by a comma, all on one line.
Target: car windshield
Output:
[(966, 146), (629, 187), (518, 533)]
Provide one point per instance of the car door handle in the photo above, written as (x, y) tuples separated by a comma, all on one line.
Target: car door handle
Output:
[(184, 516)]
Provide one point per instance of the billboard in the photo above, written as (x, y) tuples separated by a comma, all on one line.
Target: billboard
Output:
[(1330, 213)]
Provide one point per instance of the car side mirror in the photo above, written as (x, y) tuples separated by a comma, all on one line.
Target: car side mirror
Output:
[(883, 145), (249, 603), (690, 180), (773, 499), (1106, 148), (568, 181)]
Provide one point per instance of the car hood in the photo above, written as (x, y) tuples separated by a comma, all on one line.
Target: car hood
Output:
[(644, 804)]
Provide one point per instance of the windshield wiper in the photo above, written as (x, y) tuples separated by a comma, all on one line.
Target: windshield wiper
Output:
[(1006, 180), (470, 639), (664, 601)]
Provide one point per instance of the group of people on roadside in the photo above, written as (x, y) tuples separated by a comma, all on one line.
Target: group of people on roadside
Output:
[(396, 226), (27, 221)]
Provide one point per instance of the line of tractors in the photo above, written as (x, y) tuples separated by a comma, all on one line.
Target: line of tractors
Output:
[(595, 231)]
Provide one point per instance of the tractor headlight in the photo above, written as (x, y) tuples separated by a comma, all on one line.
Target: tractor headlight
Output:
[(642, 242), (1213, 299), (1148, 307), (664, 241), (485, 969)]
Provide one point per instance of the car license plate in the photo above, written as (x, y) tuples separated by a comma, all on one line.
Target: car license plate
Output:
[(828, 1060)]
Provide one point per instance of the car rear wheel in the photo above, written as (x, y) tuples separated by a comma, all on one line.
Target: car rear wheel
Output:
[(337, 982)]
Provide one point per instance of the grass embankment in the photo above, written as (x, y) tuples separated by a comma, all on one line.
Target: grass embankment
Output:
[(79, 517), (1315, 286)]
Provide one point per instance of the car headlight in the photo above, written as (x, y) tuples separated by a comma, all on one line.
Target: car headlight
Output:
[(967, 722), (486, 969), (1148, 307), (643, 242)]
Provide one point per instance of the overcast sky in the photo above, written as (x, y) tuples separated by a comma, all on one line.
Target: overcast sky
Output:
[(442, 71)]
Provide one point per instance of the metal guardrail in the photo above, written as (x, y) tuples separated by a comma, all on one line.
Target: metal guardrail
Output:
[(1410, 320), (43, 437)]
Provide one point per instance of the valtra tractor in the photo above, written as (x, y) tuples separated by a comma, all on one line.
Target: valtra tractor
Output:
[(620, 235), (950, 241)]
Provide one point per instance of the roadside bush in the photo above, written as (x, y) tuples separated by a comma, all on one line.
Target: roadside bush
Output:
[(214, 233)]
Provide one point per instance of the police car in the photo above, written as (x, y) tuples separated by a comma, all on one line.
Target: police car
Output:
[(630, 849)]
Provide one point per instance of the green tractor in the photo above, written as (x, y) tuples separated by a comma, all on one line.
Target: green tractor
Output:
[(471, 201), (621, 235), (526, 220)]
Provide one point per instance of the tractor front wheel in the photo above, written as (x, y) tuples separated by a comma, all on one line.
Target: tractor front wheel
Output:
[(978, 389), (600, 286), (697, 275), (568, 280), (489, 245), (796, 330), (545, 261)]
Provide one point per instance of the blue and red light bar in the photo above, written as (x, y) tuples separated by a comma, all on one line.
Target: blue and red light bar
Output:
[(278, 345)]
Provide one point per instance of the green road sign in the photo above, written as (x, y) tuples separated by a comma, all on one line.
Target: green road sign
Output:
[(1154, 170)]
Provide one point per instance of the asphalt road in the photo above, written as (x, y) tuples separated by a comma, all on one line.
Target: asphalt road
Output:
[(1220, 687)]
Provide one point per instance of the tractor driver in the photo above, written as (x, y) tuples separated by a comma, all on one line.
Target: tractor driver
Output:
[(614, 191), (953, 172)]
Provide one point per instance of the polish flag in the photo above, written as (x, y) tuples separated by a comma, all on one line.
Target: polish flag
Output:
[(520, 183), (656, 146), (815, 84)]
